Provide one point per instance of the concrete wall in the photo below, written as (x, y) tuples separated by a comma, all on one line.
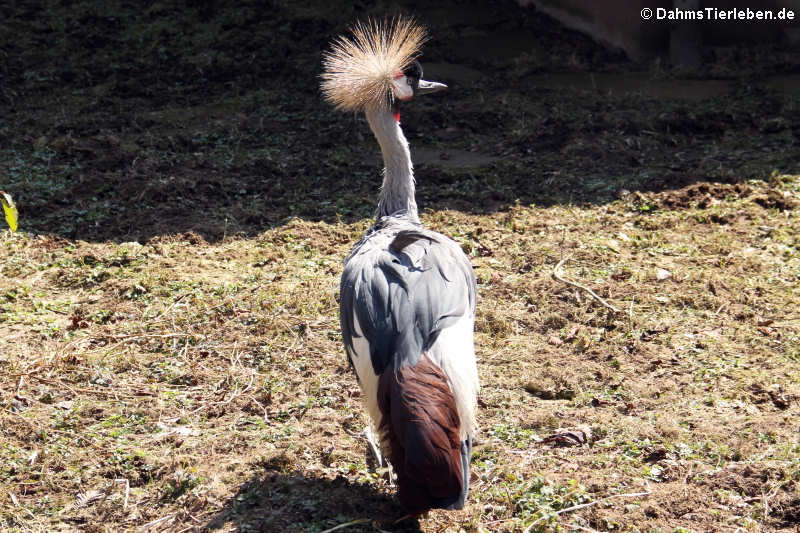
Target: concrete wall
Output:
[(619, 23)]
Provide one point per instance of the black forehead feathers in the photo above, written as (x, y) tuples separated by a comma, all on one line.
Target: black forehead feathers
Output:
[(414, 70)]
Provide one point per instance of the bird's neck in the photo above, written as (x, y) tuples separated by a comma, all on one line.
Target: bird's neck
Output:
[(397, 192)]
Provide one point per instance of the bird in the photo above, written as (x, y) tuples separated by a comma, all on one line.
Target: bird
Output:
[(407, 294)]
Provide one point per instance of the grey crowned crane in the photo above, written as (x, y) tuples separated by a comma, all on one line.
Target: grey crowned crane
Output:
[(407, 293)]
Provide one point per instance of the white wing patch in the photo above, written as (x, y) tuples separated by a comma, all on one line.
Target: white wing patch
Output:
[(454, 352), (367, 377)]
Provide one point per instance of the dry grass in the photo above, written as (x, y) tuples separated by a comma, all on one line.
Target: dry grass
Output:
[(191, 385), (194, 379)]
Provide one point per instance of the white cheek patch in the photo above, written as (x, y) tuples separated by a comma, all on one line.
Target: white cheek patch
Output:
[(402, 90)]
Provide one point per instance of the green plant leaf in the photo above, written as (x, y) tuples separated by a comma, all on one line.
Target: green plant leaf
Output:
[(12, 216)]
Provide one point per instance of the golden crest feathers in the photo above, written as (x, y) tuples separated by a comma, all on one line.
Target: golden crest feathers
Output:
[(358, 70)]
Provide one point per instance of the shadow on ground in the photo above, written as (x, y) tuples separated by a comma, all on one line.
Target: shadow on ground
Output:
[(124, 122), (296, 502)]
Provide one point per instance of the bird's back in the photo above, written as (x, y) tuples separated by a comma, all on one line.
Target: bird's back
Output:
[(407, 312)]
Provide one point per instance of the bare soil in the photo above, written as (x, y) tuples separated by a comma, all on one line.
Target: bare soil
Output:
[(170, 358)]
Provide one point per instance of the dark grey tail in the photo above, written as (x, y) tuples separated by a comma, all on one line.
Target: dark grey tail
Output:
[(456, 504)]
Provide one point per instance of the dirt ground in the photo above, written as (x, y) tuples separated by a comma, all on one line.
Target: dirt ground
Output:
[(170, 356)]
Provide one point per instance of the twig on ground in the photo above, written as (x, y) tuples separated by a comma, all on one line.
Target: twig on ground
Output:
[(56, 383), (588, 504), (173, 304), (15, 501), (347, 524), (630, 315), (235, 394), (75, 391), (581, 528), (266, 416), (765, 498), (150, 336), (404, 517), (33, 427), (557, 276), (127, 491), (156, 522)]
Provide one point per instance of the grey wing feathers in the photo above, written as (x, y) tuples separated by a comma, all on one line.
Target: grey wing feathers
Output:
[(404, 294), (409, 236)]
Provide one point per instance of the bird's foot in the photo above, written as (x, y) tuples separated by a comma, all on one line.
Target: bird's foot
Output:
[(374, 458), (387, 474)]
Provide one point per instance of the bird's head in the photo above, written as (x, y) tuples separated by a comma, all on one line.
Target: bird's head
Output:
[(408, 83), (376, 67)]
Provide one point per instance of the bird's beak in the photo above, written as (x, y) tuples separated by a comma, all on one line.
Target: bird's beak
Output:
[(428, 87)]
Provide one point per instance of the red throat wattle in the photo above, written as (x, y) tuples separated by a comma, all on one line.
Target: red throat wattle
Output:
[(397, 116)]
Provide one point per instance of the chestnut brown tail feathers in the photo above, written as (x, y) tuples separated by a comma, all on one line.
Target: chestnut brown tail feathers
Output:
[(421, 423)]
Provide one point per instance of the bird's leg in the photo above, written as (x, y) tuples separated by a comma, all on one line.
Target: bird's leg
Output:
[(389, 474), (375, 460)]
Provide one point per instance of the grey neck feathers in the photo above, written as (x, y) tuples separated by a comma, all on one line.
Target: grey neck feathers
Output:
[(397, 191)]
